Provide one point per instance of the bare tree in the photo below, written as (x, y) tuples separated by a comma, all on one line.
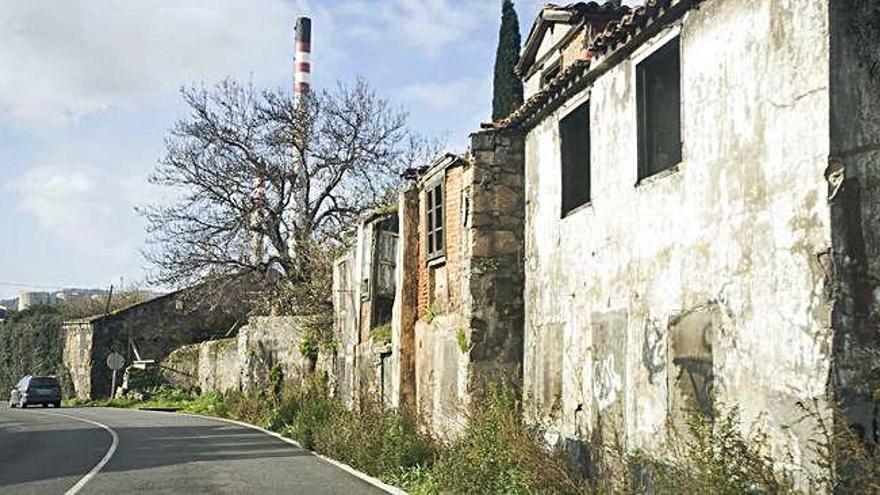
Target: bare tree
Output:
[(317, 165)]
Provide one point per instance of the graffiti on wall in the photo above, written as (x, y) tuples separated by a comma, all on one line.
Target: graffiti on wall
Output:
[(654, 349), (609, 365), (608, 383), (691, 337)]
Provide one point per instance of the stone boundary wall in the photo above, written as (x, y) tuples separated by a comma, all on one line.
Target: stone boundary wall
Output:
[(76, 354), (242, 362)]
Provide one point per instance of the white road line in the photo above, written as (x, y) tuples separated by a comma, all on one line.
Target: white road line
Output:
[(345, 467), (91, 474)]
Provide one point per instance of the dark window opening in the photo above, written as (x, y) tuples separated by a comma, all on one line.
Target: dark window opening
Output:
[(435, 221), (551, 73), (574, 134), (658, 93)]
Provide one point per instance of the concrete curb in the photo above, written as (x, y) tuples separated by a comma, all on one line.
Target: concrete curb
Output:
[(345, 467)]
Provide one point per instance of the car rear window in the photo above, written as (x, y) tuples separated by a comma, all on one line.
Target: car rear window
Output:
[(44, 382)]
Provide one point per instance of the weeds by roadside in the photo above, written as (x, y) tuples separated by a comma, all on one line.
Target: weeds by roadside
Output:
[(498, 452)]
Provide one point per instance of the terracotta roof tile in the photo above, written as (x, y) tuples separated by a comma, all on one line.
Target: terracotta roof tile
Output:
[(615, 34)]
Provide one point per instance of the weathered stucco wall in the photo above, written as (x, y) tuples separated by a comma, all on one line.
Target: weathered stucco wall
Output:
[(77, 357), (268, 341), (243, 362), (211, 365), (714, 272), (346, 304), (363, 290)]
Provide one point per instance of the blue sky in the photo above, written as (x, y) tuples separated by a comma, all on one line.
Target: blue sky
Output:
[(89, 87)]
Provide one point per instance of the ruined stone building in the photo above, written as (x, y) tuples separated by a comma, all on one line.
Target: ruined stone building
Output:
[(702, 214), (458, 311), (363, 297), (456, 316), (687, 204), (155, 328)]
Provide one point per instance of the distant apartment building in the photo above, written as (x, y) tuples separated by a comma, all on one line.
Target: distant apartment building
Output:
[(30, 299)]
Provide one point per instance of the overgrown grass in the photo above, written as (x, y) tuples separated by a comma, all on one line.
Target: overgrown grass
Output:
[(498, 452), (714, 456), (381, 334)]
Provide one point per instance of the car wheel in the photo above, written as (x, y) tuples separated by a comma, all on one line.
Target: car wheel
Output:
[(57, 404), (45, 405)]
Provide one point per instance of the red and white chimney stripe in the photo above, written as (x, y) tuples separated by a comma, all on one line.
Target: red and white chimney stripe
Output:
[(302, 81)]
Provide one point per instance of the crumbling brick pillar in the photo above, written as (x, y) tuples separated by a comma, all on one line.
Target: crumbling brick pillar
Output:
[(407, 298)]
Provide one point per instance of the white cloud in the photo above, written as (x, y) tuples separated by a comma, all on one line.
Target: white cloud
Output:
[(427, 25), (88, 210), (60, 60), (447, 94)]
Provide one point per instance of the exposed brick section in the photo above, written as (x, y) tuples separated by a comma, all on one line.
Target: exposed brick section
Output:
[(479, 282), (576, 49), (422, 279), (452, 232), (411, 265), (366, 321)]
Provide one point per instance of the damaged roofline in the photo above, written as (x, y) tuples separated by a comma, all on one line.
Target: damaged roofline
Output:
[(447, 160), (581, 74), (572, 14)]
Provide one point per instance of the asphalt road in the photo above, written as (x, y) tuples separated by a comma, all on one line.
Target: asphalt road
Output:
[(49, 451)]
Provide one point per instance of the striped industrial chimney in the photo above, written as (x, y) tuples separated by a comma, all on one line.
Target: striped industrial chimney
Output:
[(302, 58), (302, 83)]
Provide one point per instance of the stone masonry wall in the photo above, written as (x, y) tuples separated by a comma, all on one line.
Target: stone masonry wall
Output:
[(77, 357), (155, 327), (211, 365), (243, 362), (467, 308), (494, 254)]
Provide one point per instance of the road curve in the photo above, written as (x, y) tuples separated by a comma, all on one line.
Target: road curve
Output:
[(48, 451)]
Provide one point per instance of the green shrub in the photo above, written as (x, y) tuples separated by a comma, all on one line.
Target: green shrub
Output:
[(462, 340), (212, 403), (147, 379), (378, 442), (430, 313), (30, 344), (416, 480), (314, 409), (499, 453), (714, 457), (848, 463), (381, 334), (308, 346)]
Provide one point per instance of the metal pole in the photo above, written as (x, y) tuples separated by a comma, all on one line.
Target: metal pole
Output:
[(113, 386)]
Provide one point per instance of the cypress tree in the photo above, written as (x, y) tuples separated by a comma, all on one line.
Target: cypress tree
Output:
[(507, 94)]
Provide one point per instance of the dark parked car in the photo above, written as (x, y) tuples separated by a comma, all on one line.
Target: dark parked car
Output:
[(32, 390)]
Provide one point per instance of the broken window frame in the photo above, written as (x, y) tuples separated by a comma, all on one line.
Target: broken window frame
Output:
[(575, 163), (434, 221), (650, 163)]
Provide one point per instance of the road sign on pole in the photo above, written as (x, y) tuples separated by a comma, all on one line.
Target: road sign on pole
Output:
[(115, 362)]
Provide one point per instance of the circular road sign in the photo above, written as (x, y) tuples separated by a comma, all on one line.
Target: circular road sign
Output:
[(115, 361)]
